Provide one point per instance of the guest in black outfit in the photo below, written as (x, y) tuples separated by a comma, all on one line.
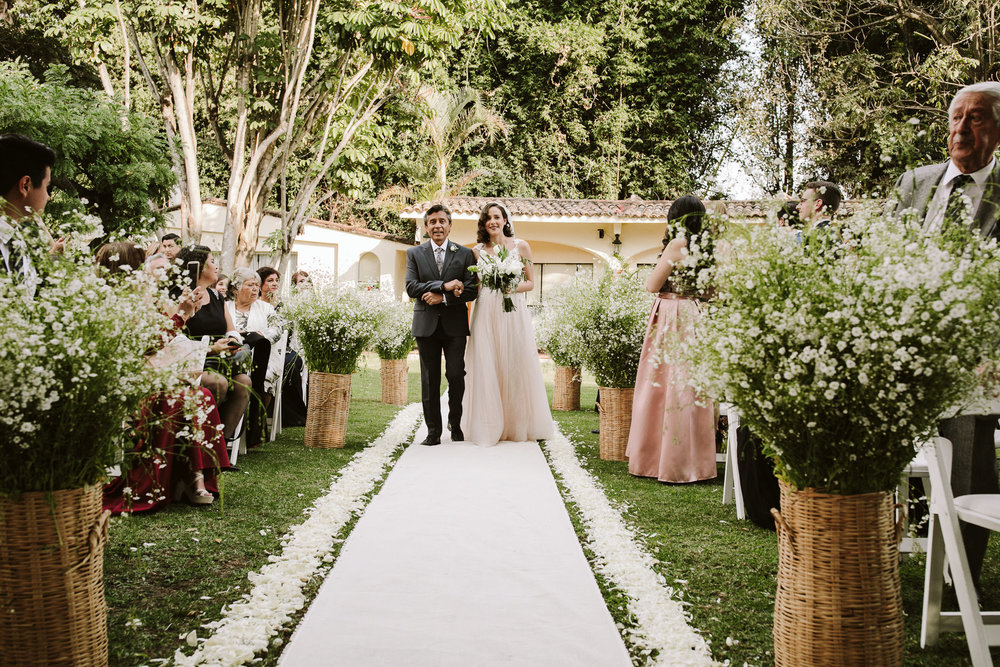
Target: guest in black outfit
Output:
[(231, 395)]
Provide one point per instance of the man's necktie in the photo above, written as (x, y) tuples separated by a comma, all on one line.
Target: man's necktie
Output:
[(956, 201), (439, 257), (15, 261)]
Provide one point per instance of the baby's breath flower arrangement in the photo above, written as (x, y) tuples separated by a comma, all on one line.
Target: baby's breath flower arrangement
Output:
[(335, 323), (557, 329), (74, 370), (842, 354), (612, 326), (394, 339)]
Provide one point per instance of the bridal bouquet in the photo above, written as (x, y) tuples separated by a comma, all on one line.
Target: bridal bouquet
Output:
[(502, 273)]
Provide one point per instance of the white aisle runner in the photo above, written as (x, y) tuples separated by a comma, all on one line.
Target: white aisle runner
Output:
[(466, 557)]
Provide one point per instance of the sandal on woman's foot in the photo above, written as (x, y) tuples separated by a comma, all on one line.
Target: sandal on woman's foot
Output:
[(197, 496)]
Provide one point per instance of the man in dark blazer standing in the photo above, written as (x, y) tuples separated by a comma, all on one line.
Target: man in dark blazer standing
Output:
[(969, 183), (438, 277)]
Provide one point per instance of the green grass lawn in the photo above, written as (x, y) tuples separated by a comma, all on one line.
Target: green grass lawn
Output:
[(175, 569)]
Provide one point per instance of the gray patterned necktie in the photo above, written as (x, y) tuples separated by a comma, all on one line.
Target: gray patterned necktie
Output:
[(956, 201), (439, 257)]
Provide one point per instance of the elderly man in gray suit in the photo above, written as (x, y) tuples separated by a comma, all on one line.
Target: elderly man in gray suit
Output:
[(438, 277), (969, 183)]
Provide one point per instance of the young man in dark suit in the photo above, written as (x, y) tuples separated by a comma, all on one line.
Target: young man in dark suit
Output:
[(438, 277)]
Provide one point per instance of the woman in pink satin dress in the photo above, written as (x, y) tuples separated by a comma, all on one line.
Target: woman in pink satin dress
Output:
[(672, 438)]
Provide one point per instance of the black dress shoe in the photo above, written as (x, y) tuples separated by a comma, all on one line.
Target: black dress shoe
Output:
[(457, 435), (431, 440)]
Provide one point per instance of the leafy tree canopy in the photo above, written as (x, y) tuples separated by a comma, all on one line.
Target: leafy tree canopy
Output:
[(110, 163)]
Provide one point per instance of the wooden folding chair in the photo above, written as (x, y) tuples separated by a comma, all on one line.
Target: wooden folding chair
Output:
[(982, 628)]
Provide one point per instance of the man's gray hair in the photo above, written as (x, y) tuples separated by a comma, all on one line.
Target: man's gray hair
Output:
[(241, 275), (989, 88)]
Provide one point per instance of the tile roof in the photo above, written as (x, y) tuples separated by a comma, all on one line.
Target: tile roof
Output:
[(598, 208)]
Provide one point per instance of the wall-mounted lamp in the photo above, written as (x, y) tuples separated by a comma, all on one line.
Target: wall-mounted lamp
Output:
[(600, 233), (617, 243)]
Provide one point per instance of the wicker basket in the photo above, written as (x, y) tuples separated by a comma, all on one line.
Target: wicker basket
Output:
[(326, 419), (615, 408), (394, 387), (838, 599), (51, 579), (566, 394)]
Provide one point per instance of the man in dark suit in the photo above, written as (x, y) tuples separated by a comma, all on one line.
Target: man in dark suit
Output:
[(942, 194), (438, 277), (25, 175)]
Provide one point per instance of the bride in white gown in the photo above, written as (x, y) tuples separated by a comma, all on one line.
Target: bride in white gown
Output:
[(504, 391)]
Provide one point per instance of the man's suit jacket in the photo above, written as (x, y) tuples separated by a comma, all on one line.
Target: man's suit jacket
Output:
[(916, 188), (422, 276)]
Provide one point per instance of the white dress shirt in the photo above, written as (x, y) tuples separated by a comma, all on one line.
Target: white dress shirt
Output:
[(8, 237), (973, 193)]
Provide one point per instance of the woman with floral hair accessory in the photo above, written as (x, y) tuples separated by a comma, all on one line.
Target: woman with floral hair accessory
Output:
[(505, 395), (671, 437)]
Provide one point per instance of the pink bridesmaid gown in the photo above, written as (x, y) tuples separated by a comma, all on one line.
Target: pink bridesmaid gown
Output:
[(671, 438)]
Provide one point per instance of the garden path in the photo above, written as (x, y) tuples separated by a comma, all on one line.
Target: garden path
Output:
[(465, 557)]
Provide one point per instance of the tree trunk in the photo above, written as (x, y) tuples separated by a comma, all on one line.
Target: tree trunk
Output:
[(181, 87)]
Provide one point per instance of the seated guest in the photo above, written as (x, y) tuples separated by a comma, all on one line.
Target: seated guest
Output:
[(270, 285), (222, 287), (213, 320), (259, 325), (300, 280), (788, 215), (293, 406), (167, 464), (170, 245), (113, 257)]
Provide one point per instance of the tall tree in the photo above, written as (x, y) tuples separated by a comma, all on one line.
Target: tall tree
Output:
[(882, 73), (105, 167), (452, 120), (606, 98)]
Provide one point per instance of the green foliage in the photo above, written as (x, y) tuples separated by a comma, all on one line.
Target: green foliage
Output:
[(605, 100), (39, 51), (109, 162), (868, 68), (612, 327)]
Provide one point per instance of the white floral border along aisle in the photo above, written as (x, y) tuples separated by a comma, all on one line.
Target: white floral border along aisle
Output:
[(661, 622), (247, 626)]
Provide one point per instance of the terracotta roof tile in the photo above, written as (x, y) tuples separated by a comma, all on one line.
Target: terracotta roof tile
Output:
[(577, 208)]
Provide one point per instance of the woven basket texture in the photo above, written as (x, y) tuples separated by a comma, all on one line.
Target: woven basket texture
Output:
[(566, 392), (394, 374), (838, 600), (51, 579), (615, 408), (329, 400)]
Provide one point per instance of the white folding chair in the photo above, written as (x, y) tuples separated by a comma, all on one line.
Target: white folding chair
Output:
[(732, 489), (982, 628), (281, 346), (916, 468)]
